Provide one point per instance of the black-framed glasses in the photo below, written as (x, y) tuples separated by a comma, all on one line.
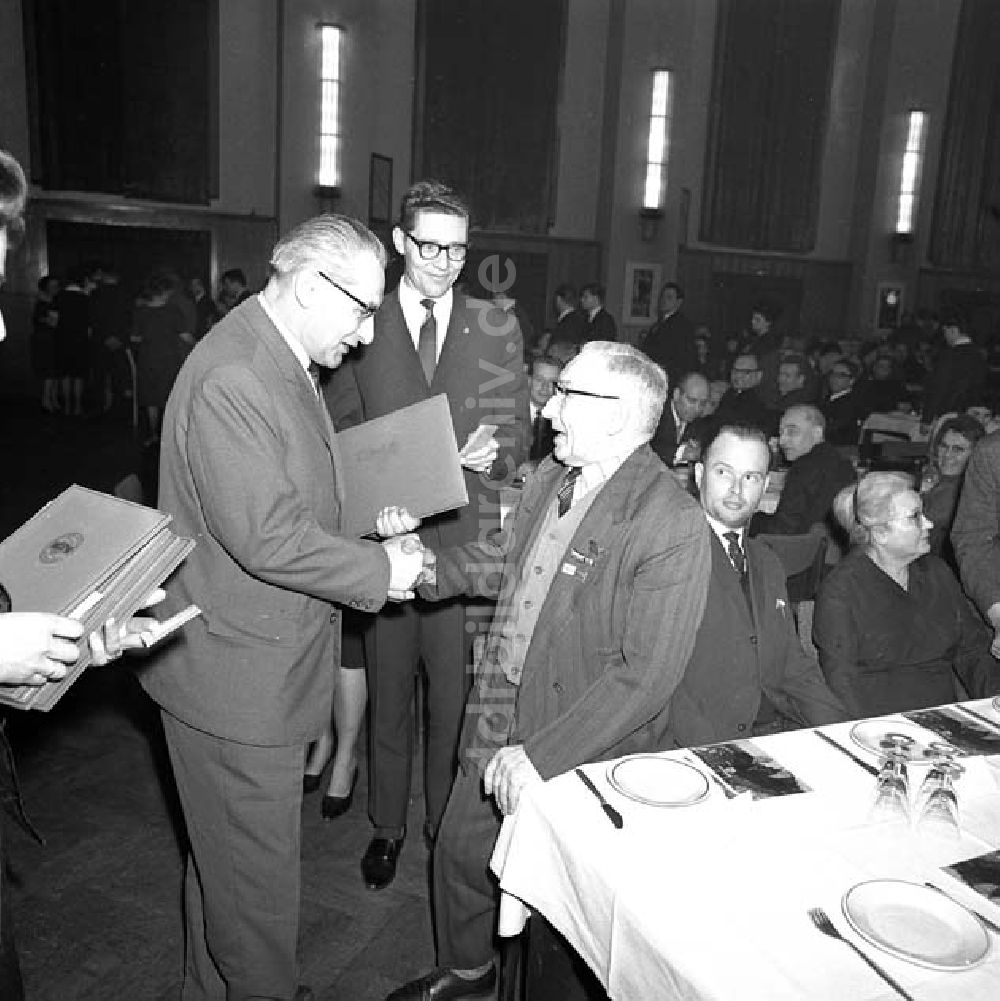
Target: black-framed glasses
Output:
[(367, 310), (429, 250), (561, 389)]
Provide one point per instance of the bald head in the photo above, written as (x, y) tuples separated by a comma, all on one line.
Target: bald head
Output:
[(802, 429), (691, 397)]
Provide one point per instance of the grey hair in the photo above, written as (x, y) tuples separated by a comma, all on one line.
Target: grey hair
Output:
[(812, 415), (331, 243), (646, 380), (861, 508)]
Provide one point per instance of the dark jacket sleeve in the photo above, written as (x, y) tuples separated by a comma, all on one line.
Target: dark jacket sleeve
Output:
[(976, 532), (835, 634)]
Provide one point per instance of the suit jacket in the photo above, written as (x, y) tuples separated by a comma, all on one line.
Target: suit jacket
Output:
[(843, 418), (249, 469), (612, 638), (480, 368), (956, 381), (976, 532), (745, 408), (665, 440), (571, 328), (602, 327), (737, 657), (542, 437), (670, 343), (807, 497)]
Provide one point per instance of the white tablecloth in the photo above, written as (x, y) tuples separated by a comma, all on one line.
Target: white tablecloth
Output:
[(710, 901)]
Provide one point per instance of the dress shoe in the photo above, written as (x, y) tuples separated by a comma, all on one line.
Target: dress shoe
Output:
[(334, 806), (378, 864), (444, 985)]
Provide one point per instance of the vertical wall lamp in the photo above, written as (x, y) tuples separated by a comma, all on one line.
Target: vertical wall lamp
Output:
[(657, 154), (330, 138)]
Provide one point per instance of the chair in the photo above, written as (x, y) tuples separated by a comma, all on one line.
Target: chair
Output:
[(803, 557)]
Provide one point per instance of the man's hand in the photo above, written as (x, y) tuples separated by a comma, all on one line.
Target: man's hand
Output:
[(114, 638), (479, 456), (406, 563), (510, 770), (35, 647), (392, 521)]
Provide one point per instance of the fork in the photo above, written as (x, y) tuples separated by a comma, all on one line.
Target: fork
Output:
[(822, 921)]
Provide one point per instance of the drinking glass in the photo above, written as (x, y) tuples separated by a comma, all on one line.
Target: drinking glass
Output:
[(892, 789), (937, 801)]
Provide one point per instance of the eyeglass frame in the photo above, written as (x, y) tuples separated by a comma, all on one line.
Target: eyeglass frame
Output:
[(367, 310), (448, 249), (561, 390)]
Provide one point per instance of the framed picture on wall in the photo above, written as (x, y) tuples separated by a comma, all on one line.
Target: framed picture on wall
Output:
[(380, 189), (888, 305), (642, 285)]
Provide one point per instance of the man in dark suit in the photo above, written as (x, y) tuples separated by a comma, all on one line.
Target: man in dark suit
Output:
[(571, 324), (604, 577), (250, 468), (688, 403), (843, 409), (600, 323), (430, 339), (817, 471), (960, 374), (741, 403), (670, 341), (541, 386), (747, 648)]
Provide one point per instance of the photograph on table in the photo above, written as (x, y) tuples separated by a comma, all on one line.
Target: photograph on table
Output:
[(981, 873), (966, 734), (745, 767)]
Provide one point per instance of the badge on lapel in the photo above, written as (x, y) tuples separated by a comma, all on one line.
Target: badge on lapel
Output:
[(580, 564)]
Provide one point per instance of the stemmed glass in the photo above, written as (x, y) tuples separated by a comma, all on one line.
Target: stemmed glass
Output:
[(937, 801), (892, 789)]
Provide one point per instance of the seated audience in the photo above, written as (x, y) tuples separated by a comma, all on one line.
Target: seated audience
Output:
[(674, 440), (892, 626), (741, 403), (949, 452), (816, 472), (716, 390), (844, 407), (796, 381), (883, 391)]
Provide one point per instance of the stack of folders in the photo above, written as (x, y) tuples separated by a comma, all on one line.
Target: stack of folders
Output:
[(89, 556)]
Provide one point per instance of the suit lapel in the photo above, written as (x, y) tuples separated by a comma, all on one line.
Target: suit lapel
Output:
[(729, 580), (456, 342)]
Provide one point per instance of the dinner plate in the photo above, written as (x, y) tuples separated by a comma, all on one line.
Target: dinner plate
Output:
[(657, 781), (869, 732), (916, 923)]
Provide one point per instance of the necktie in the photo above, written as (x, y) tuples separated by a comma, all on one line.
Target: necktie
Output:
[(565, 494), (739, 561), (681, 425), (427, 343), (314, 376)]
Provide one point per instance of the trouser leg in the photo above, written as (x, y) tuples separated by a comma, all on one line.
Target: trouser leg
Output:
[(242, 807), (465, 890)]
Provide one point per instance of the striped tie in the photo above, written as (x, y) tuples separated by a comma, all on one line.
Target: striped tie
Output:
[(565, 494)]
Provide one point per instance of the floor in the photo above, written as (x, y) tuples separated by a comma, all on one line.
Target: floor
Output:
[(98, 909)]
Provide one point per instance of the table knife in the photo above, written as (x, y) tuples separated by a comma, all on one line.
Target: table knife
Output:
[(612, 814), (989, 922), (871, 769)]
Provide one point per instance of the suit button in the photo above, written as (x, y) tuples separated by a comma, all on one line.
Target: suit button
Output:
[(557, 688), (741, 727)]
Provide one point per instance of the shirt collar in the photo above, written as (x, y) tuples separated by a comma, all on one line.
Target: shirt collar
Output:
[(596, 474), (720, 530), (410, 298), (286, 334), (837, 396)]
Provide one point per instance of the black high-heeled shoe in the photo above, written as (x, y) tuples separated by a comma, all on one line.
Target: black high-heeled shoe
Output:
[(335, 806)]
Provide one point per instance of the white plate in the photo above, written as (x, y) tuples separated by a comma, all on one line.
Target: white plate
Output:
[(869, 732), (657, 781), (917, 924)]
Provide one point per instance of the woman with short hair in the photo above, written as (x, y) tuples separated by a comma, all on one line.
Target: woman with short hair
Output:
[(892, 626)]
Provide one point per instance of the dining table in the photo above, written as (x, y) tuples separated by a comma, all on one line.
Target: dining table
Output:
[(761, 868)]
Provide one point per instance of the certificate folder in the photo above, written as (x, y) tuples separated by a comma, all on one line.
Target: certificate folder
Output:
[(90, 556), (408, 458)]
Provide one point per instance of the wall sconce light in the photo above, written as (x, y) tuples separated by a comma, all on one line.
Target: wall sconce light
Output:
[(649, 223), (329, 177), (657, 154)]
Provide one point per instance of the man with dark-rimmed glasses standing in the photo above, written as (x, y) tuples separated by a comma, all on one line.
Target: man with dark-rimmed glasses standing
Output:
[(430, 339)]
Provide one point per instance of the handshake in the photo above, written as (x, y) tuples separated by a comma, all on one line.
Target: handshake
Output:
[(410, 562)]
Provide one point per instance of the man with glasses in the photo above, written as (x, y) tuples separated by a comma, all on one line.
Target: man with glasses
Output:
[(674, 440), (741, 403), (431, 339), (250, 468), (843, 409), (605, 573)]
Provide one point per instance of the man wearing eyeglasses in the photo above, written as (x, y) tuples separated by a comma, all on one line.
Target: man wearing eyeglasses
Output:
[(604, 578), (250, 468), (430, 339)]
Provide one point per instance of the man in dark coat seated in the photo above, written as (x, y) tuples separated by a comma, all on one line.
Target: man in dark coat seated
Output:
[(844, 409), (741, 403), (681, 416), (816, 472)]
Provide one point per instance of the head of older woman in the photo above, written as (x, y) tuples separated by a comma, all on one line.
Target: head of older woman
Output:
[(953, 443), (885, 515)]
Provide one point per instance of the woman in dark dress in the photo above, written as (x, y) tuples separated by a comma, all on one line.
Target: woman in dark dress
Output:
[(892, 625)]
